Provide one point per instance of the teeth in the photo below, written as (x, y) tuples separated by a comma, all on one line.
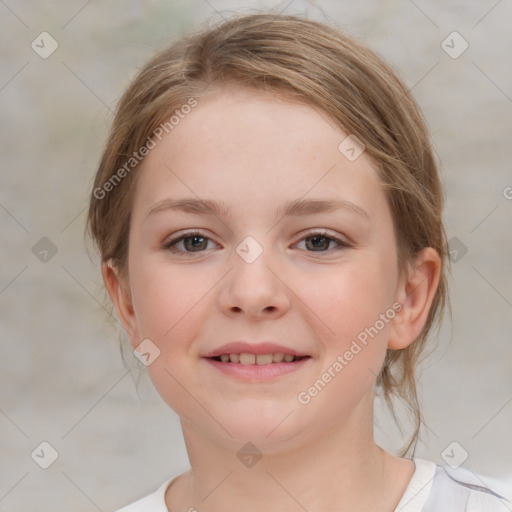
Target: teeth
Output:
[(264, 359), (260, 359), (247, 358), (278, 357)]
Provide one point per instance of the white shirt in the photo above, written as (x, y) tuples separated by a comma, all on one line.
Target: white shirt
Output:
[(432, 488)]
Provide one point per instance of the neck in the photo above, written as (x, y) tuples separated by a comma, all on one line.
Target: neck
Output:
[(343, 469)]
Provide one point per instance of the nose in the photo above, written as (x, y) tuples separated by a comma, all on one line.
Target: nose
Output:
[(253, 289)]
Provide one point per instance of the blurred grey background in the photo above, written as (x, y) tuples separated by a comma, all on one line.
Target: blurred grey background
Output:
[(62, 377)]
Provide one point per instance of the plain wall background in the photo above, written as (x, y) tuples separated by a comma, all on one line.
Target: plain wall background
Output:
[(62, 378)]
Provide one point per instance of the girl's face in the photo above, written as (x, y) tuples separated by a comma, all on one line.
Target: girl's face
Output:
[(297, 249)]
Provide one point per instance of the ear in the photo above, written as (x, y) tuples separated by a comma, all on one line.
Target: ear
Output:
[(118, 291), (415, 293)]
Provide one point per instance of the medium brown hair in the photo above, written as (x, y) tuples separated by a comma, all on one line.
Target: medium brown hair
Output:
[(308, 62)]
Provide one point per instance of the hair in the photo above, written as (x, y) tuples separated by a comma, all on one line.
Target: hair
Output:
[(304, 61)]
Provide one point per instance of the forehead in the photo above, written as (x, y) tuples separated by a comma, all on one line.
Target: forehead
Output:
[(240, 145), (238, 123)]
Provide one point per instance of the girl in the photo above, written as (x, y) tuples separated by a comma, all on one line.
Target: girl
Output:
[(269, 216)]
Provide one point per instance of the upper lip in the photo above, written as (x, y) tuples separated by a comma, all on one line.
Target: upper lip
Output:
[(242, 347)]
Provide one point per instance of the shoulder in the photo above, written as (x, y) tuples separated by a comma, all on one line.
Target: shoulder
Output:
[(154, 502), (462, 490)]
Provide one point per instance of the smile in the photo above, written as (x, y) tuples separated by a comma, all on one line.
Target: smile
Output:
[(257, 359), (257, 367)]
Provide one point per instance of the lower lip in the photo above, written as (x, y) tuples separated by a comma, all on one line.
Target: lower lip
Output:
[(257, 372)]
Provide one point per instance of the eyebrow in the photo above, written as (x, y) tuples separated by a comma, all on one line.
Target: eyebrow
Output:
[(297, 207)]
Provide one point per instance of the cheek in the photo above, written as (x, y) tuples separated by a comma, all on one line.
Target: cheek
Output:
[(357, 307), (355, 302), (170, 303), (358, 293), (160, 295)]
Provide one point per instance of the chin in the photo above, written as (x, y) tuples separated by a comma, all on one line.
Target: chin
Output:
[(268, 429)]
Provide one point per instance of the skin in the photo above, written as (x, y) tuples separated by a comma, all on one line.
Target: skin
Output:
[(255, 152)]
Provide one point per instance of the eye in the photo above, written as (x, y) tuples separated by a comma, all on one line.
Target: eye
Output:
[(196, 242), (320, 241), (190, 242)]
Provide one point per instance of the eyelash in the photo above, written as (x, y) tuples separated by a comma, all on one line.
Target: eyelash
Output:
[(342, 244)]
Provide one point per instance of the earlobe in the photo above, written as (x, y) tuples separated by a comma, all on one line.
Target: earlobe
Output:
[(416, 294), (120, 297)]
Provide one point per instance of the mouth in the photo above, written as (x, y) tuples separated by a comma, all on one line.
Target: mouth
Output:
[(248, 359), (257, 363)]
